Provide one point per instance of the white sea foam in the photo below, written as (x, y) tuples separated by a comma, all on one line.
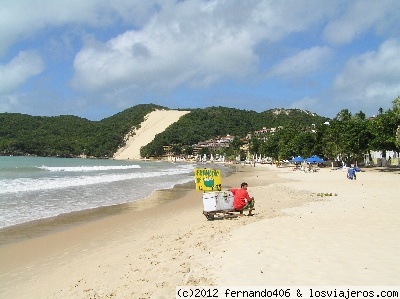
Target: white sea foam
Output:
[(48, 183), (88, 168), (40, 209), (30, 192)]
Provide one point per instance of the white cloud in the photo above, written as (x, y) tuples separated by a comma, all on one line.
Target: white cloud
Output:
[(194, 42), (24, 66), (167, 52), (134, 49), (7, 102), (360, 16), (372, 78), (21, 19), (303, 63)]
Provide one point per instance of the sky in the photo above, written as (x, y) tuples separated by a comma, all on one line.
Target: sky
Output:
[(95, 58)]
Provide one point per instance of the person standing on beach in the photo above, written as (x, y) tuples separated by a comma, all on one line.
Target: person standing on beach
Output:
[(351, 174), (242, 200)]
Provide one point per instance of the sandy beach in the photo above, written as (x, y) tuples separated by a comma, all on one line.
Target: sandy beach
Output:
[(349, 236), (308, 229)]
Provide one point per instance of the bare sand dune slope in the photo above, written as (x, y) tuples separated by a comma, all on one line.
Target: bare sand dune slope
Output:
[(155, 123)]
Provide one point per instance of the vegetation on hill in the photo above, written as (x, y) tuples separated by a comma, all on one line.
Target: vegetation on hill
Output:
[(347, 137), (203, 124), (68, 136), (71, 136), (298, 132)]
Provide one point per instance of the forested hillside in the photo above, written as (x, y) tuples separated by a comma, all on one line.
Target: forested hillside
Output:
[(203, 124), (346, 137), (68, 136), (71, 136)]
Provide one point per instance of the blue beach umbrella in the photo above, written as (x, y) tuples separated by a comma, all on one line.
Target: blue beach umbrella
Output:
[(314, 159), (297, 159)]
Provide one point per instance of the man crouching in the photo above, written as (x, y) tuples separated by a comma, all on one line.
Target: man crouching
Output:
[(242, 200)]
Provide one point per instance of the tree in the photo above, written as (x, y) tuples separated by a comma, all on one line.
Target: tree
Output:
[(269, 147), (343, 115), (355, 139), (396, 110), (324, 144), (305, 144), (360, 115), (281, 144), (204, 151), (234, 147), (255, 144), (176, 150), (187, 150), (383, 130)]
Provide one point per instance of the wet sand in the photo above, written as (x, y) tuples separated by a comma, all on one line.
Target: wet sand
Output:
[(42, 227)]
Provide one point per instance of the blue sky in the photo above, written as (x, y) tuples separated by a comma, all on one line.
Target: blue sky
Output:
[(95, 58)]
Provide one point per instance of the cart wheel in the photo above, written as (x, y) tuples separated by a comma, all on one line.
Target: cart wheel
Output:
[(209, 216)]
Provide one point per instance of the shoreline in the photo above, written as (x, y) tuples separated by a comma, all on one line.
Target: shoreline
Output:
[(40, 227), (295, 238)]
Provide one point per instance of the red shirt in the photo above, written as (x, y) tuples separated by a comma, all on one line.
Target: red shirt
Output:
[(239, 198)]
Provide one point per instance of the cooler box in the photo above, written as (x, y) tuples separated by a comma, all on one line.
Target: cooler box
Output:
[(225, 200), (216, 201), (210, 201)]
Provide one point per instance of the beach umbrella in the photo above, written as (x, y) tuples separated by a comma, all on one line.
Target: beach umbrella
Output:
[(297, 159), (314, 159)]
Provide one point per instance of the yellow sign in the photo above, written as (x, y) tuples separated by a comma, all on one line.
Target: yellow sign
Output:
[(207, 179)]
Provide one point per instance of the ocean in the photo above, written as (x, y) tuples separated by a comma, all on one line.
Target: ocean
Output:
[(34, 188)]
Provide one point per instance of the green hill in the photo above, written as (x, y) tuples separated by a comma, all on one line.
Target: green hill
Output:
[(68, 136), (203, 124), (71, 136)]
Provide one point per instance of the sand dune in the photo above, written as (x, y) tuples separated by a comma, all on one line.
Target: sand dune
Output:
[(155, 123)]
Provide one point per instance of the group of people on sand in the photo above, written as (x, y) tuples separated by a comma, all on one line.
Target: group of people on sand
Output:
[(242, 200)]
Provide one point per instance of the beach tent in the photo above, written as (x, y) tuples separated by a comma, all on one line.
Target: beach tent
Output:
[(314, 159), (297, 159)]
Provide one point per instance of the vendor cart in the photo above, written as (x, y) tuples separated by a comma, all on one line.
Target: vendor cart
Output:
[(218, 204)]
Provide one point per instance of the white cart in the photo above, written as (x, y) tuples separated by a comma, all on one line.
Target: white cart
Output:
[(218, 204)]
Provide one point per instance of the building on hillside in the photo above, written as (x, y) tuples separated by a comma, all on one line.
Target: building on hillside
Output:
[(214, 144), (167, 152), (264, 130)]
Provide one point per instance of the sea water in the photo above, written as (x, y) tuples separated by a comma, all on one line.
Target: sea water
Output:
[(33, 188)]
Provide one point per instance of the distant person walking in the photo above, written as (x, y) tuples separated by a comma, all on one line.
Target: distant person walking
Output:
[(351, 172)]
